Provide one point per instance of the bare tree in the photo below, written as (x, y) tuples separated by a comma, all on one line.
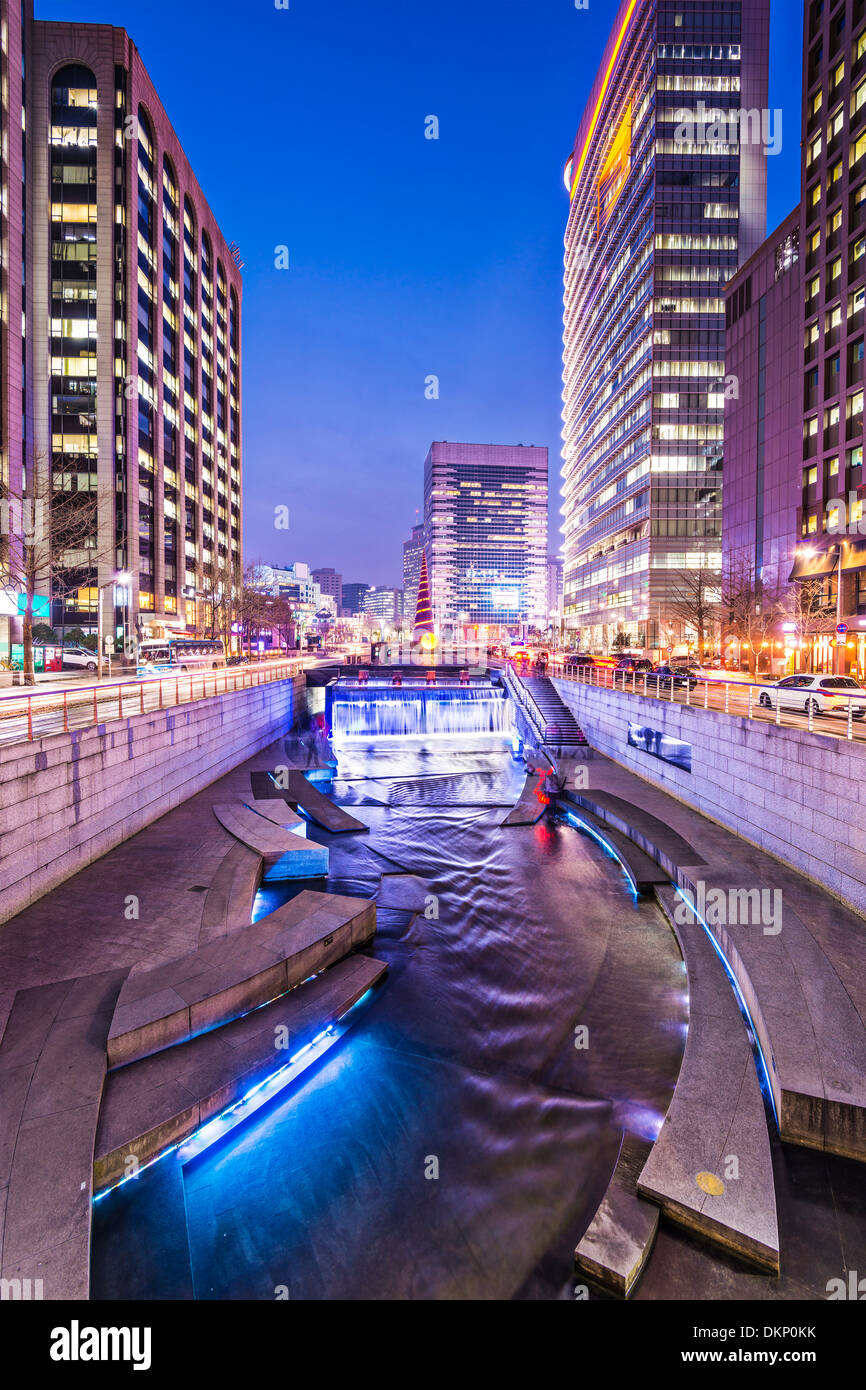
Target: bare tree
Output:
[(52, 543), (219, 583), (753, 604), (693, 602), (810, 612)]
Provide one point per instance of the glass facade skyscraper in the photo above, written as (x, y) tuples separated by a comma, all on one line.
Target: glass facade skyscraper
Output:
[(485, 519), (667, 187)]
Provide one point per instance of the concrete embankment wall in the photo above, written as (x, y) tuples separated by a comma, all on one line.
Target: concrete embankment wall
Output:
[(66, 799), (799, 796)]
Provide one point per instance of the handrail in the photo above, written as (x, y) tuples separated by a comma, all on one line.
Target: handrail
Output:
[(519, 689), (134, 695), (642, 683)]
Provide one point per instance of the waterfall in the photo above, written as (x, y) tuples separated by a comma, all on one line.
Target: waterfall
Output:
[(419, 710)]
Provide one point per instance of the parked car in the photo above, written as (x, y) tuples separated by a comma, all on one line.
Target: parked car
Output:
[(634, 663), (820, 694), (704, 673), (79, 656), (663, 676)]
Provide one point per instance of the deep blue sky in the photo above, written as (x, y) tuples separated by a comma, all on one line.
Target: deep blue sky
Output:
[(408, 256)]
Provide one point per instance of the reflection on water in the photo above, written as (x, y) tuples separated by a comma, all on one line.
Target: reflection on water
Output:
[(456, 1142)]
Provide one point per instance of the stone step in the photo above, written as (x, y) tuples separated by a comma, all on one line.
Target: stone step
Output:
[(52, 1073), (154, 1103), (617, 1243), (285, 854), (711, 1168), (232, 974)]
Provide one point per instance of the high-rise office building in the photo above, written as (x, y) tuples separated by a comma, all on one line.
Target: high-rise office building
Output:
[(413, 548), (330, 583), (667, 182), (15, 399), (131, 360), (485, 519), (554, 587), (386, 604), (353, 599), (804, 323), (763, 411)]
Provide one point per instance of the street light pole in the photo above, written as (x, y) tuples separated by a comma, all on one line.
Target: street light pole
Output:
[(840, 637), (122, 578)]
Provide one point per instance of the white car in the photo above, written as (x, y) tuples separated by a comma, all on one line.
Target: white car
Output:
[(820, 694), (79, 656)]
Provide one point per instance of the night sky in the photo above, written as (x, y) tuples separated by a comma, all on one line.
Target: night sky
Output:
[(408, 257)]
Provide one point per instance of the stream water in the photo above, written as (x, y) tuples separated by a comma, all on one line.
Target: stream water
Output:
[(457, 1140)]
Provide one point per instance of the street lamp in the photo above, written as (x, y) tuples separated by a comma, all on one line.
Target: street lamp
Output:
[(839, 662), (121, 578)]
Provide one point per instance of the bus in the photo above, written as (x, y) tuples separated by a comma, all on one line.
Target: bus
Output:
[(173, 655)]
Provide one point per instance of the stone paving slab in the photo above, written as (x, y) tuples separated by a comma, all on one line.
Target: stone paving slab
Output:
[(285, 854), (716, 1121), (617, 1243), (52, 1070), (231, 974), (229, 901), (301, 792), (527, 810), (279, 813), (156, 1102), (644, 871), (801, 972)]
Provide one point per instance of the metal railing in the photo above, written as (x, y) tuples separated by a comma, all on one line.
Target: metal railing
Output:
[(526, 701), (735, 697), (25, 717)]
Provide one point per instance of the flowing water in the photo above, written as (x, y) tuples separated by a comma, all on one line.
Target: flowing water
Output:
[(418, 711), (457, 1140)]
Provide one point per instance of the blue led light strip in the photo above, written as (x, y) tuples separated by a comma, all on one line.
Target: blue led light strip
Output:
[(744, 1008), (605, 844), (243, 1109)]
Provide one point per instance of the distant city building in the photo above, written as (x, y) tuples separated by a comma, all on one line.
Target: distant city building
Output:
[(413, 549), (554, 585), (330, 582), (353, 599), (386, 604), (667, 182), (485, 518)]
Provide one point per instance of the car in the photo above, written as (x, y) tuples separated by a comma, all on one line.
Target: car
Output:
[(664, 676), (633, 663), (573, 660), (79, 656), (816, 694)]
